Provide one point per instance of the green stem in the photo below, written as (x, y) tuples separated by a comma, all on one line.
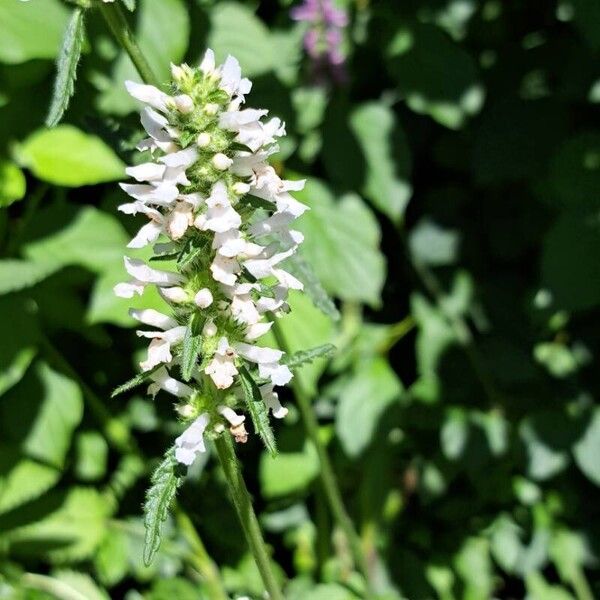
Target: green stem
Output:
[(112, 13), (330, 485), (247, 516), (200, 557), (581, 585)]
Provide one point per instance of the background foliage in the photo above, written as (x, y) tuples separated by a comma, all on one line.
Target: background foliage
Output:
[(453, 181)]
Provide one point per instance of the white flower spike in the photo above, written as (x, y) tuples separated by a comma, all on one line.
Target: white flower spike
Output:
[(225, 276)]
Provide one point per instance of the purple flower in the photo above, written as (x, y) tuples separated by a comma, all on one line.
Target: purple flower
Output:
[(323, 39)]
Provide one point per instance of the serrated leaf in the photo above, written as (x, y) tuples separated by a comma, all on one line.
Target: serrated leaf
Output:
[(191, 348), (165, 482), (307, 356), (66, 66), (298, 266), (133, 382), (257, 409)]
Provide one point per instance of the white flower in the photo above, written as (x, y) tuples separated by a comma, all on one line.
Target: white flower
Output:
[(143, 275), (268, 362), (231, 416), (220, 216), (174, 294), (224, 270), (148, 94), (271, 399), (163, 381), (221, 368), (207, 66), (231, 79), (191, 442)]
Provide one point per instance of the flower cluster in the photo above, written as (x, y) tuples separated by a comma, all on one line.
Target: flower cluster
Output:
[(324, 37), (220, 215)]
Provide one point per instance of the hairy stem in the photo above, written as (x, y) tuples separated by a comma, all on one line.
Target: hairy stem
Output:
[(328, 479), (119, 27), (247, 516)]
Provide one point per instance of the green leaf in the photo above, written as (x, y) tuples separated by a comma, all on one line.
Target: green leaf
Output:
[(433, 245), (159, 497), (570, 270), (237, 31), (111, 558), (16, 274), (69, 532), (587, 449), (12, 184), (31, 30), (363, 399), (192, 344), (22, 479), (539, 589), (66, 67), (92, 456), (436, 76), (375, 128), (342, 244), (258, 410), (82, 584), (133, 382), (69, 157), (301, 269), (303, 357), (51, 407), (288, 472), (162, 32)]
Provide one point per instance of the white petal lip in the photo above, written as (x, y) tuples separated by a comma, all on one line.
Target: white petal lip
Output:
[(278, 374), (143, 273), (129, 289), (257, 330), (152, 317), (258, 354), (207, 65), (146, 172), (148, 234), (183, 158), (163, 194), (148, 94), (191, 442)]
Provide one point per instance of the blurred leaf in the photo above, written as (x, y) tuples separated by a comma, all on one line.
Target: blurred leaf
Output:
[(328, 591), (569, 266), (31, 29), (111, 559), (12, 183), (454, 434), (342, 244), (18, 274), (288, 472), (162, 33), (69, 157), (375, 128), (82, 584), (539, 589), (22, 479), (302, 269), (587, 449), (474, 565), (544, 461), (363, 399), (66, 67), (50, 407), (92, 455), (432, 244), (237, 31), (70, 532), (436, 76), (159, 497), (176, 587)]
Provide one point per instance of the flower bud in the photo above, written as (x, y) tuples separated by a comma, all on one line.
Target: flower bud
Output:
[(184, 104), (203, 298), (177, 72), (211, 108), (240, 188), (221, 162), (203, 140), (187, 411), (174, 294), (209, 329)]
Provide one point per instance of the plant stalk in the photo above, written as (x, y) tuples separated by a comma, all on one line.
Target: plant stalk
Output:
[(117, 23), (328, 478), (247, 516)]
